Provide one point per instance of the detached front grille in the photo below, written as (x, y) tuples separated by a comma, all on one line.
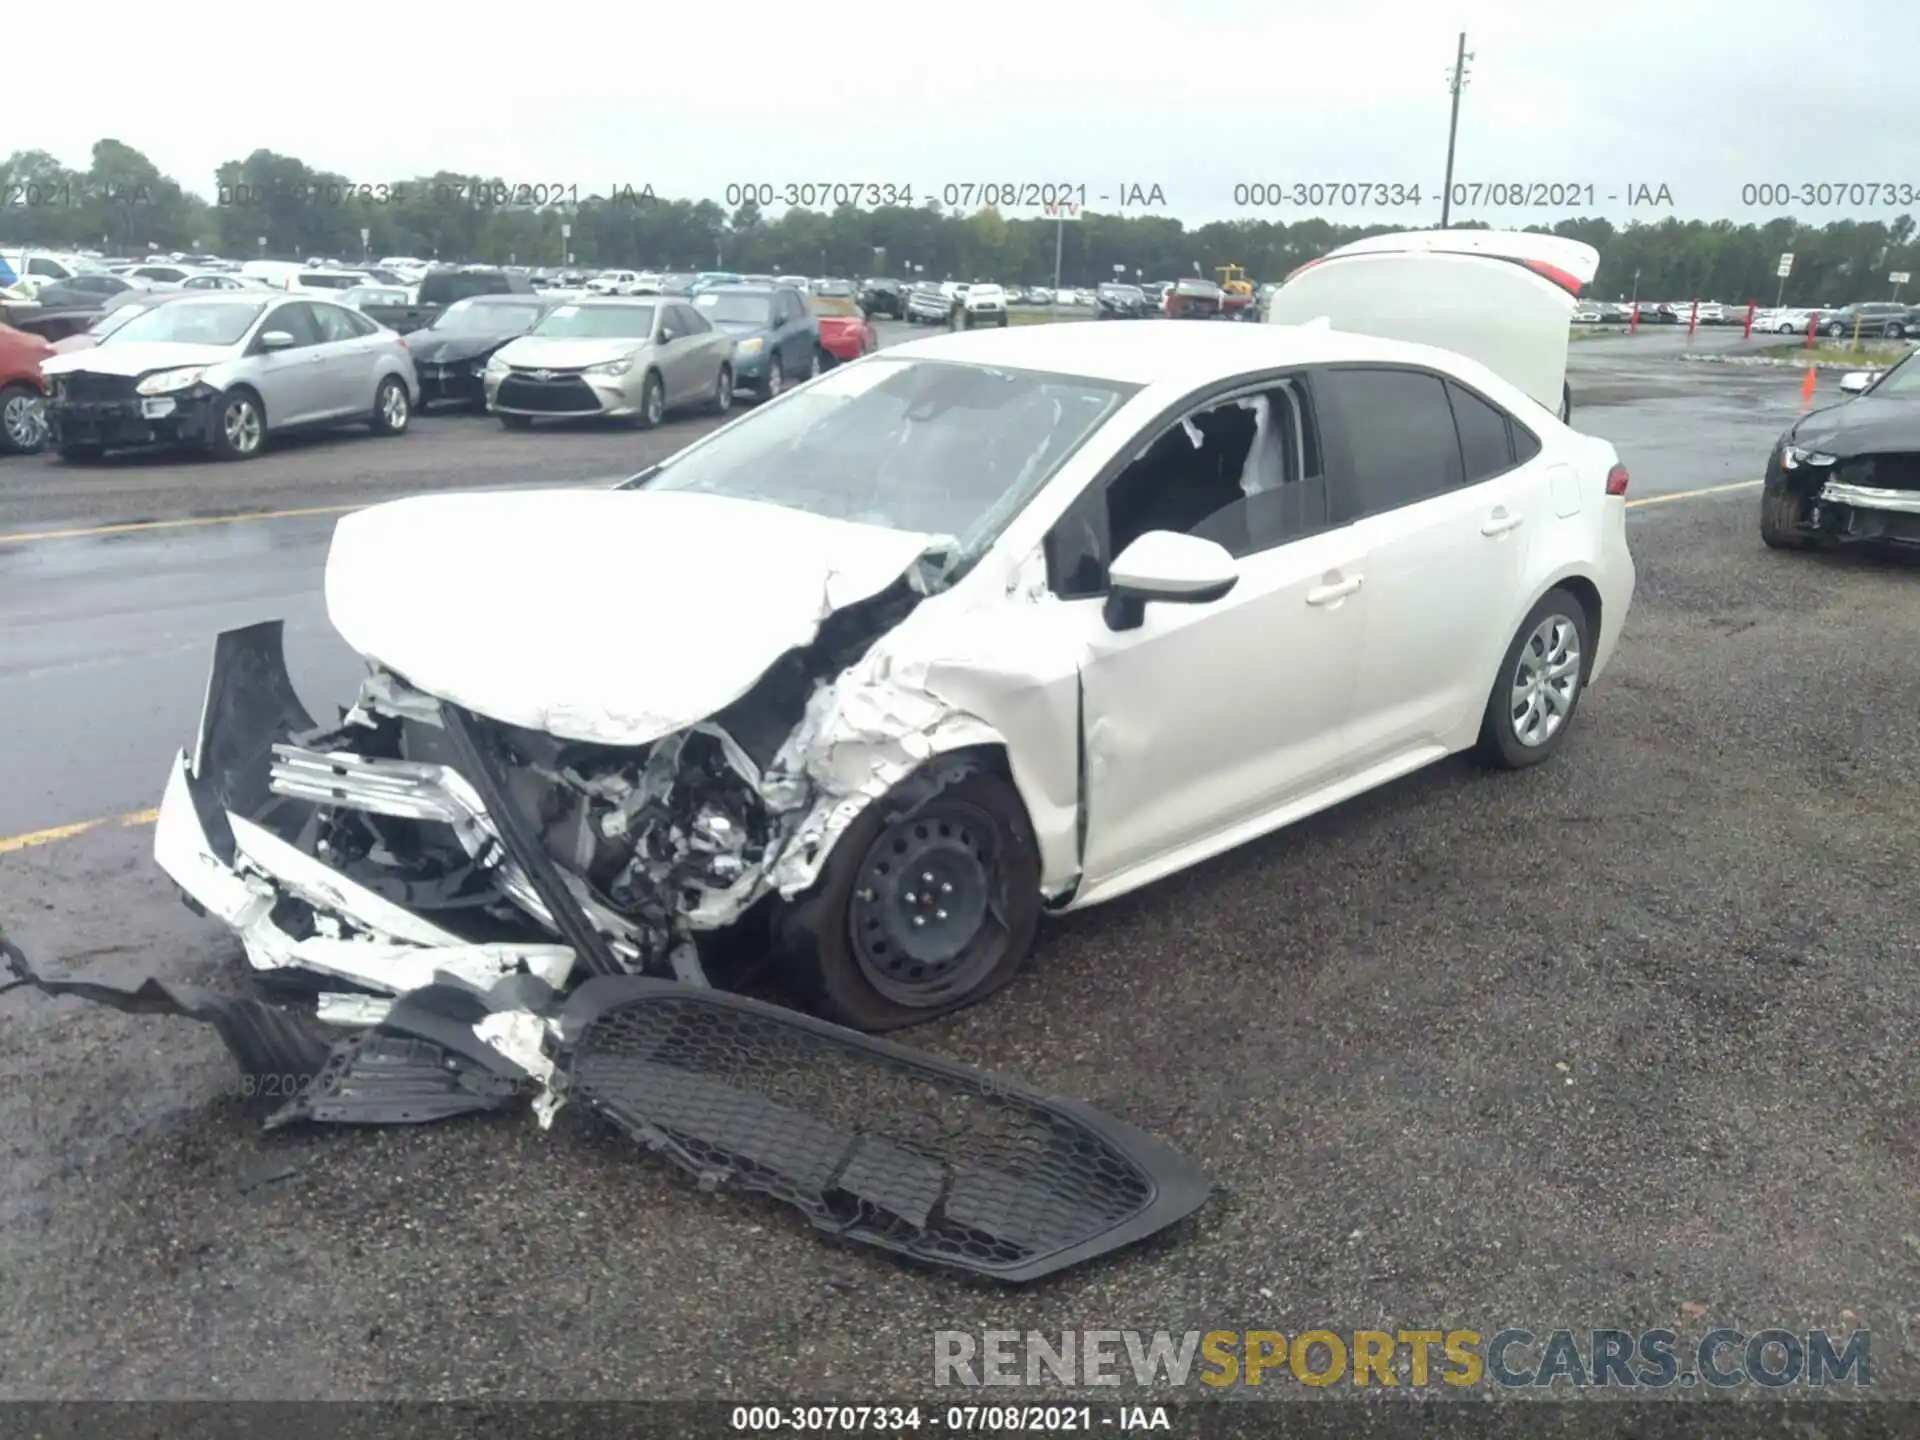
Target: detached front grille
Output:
[(83, 386), (1881, 472), (557, 395)]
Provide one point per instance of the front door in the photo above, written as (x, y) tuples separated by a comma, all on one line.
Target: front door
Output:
[(290, 381), (1204, 720)]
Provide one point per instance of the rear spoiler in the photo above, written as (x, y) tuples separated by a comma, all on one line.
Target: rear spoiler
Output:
[(1569, 283)]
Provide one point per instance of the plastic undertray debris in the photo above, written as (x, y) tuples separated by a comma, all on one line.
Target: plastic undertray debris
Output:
[(872, 1142)]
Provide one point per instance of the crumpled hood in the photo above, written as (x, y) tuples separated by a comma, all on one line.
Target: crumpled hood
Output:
[(1868, 425), (609, 616), (137, 357), (567, 352), (430, 349)]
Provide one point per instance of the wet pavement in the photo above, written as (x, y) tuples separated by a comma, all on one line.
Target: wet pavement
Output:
[(1624, 1041)]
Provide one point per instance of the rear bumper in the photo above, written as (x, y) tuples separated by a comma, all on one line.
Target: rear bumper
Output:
[(183, 419)]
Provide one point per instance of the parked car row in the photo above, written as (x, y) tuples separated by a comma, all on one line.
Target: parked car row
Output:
[(229, 370)]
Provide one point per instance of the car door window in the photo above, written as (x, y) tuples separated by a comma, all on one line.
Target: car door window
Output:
[(335, 324), (671, 328), (1526, 444), (1486, 444), (691, 320), (1245, 472), (362, 326), (1398, 435), (298, 321)]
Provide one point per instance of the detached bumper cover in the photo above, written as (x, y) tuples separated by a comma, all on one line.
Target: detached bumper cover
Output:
[(873, 1143)]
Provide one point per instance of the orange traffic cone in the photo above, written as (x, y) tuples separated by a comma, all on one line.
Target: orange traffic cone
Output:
[(1806, 388)]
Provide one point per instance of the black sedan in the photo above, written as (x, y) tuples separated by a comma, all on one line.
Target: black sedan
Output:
[(451, 353), (883, 297), (1114, 301), (1849, 472)]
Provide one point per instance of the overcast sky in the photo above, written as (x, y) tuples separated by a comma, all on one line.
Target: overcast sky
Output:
[(1192, 96)]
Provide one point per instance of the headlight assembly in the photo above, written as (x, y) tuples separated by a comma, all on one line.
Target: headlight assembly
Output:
[(1792, 457), (750, 347), (612, 367), (168, 382)]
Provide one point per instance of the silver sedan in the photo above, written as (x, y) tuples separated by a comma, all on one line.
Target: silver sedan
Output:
[(621, 358)]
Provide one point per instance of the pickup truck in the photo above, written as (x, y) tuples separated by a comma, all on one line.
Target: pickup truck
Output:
[(439, 289)]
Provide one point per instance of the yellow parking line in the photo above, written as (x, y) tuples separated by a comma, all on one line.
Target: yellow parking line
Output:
[(11, 843), (22, 537), (1694, 494)]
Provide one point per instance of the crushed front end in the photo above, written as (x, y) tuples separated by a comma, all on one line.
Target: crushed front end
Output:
[(1850, 498), (417, 837)]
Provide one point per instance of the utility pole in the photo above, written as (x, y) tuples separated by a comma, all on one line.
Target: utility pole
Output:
[(1456, 82), (1059, 244)]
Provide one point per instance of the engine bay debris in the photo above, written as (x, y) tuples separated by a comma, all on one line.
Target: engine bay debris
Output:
[(873, 1143)]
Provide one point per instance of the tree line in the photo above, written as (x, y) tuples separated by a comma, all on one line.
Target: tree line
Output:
[(276, 206)]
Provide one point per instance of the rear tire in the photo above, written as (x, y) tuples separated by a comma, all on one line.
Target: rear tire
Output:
[(517, 422), (392, 410), (722, 400), (852, 940), (1539, 685), (1779, 521)]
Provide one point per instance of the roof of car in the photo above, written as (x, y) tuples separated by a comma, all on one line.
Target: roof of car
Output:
[(1178, 350)]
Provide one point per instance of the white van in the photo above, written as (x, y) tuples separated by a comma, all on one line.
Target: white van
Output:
[(1502, 297)]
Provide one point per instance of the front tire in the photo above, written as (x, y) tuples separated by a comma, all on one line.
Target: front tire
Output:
[(653, 402), (23, 420), (239, 426), (1541, 680), (1780, 520), (930, 902), (776, 380), (392, 410)]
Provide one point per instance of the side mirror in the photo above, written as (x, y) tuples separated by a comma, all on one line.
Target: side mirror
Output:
[(276, 340), (1167, 566), (1854, 381)]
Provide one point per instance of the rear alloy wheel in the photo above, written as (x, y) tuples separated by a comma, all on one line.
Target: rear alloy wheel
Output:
[(1834, 330), (1539, 684), (722, 400), (23, 420), (239, 429), (653, 402), (929, 902), (391, 409), (1780, 528)]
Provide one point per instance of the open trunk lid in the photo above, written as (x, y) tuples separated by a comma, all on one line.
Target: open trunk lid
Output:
[(1502, 297)]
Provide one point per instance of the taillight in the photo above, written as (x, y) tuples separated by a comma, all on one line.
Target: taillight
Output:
[(1617, 480), (1554, 273)]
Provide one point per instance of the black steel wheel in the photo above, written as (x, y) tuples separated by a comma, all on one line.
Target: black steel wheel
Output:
[(930, 901)]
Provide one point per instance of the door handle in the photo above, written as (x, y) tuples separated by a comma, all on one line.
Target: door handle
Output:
[(1500, 522), (1338, 590)]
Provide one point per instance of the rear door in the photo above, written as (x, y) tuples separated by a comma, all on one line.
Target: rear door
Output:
[(348, 345), (1423, 469), (1504, 298), (673, 345), (705, 347)]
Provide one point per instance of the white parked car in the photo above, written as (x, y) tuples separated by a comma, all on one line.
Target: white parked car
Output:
[(1008, 623)]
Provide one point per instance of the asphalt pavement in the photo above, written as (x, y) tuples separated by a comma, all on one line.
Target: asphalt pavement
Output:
[(1627, 1040)]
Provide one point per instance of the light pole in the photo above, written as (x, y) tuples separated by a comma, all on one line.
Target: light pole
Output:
[(1456, 82)]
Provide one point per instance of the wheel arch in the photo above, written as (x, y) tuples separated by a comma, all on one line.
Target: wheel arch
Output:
[(251, 390)]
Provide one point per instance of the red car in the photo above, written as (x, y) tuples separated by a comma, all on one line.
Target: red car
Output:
[(844, 332), (23, 392)]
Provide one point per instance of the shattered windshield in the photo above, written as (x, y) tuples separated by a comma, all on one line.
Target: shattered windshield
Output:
[(920, 445)]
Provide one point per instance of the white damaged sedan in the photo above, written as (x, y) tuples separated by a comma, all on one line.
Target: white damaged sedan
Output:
[(980, 627)]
